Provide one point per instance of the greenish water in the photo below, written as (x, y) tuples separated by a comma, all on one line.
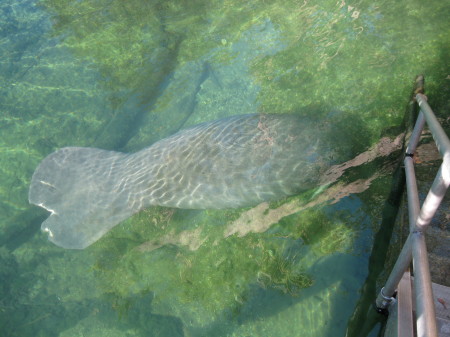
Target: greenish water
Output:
[(123, 74)]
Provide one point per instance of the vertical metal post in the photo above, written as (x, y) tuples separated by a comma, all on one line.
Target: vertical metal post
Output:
[(405, 320), (425, 312)]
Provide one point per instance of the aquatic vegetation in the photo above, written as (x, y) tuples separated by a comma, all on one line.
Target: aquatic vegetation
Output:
[(119, 44), (282, 273), (109, 73), (323, 235), (8, 272), (207, 280), (320, 41), (338, 239)]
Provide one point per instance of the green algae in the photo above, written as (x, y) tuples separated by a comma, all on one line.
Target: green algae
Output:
[(282, 273), (217, 274), (118, 36), (206, 280), (321, 233), (70, 83)]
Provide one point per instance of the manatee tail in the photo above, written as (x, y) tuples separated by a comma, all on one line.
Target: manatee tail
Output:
[(79, 187)]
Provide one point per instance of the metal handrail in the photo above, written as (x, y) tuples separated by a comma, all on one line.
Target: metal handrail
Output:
[(419, 218)]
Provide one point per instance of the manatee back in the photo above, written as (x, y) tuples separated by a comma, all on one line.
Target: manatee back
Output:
[(239, 161)]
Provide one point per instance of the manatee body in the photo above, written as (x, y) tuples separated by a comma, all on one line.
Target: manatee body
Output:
[(229, 163)]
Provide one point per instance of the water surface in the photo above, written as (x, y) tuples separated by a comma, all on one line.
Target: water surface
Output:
[(121, 75)]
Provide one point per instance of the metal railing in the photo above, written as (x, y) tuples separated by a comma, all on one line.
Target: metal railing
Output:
[(419, 218)]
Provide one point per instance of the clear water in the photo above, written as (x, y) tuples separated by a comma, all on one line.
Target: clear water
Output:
[(122, 74)]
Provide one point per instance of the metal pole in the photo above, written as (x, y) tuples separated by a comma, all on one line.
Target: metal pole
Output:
[(425, 312), (442, 180), (405, 256), (415, 136), (412, 193), (434, 197), (385, 297), (426, 321), (439, 135)]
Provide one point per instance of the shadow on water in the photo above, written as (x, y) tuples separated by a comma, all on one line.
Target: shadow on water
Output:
[(365, 318), (21, 228), (135, 314), (24, 312), (128, 117)]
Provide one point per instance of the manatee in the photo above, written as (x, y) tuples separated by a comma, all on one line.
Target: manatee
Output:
[(228, 163)]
